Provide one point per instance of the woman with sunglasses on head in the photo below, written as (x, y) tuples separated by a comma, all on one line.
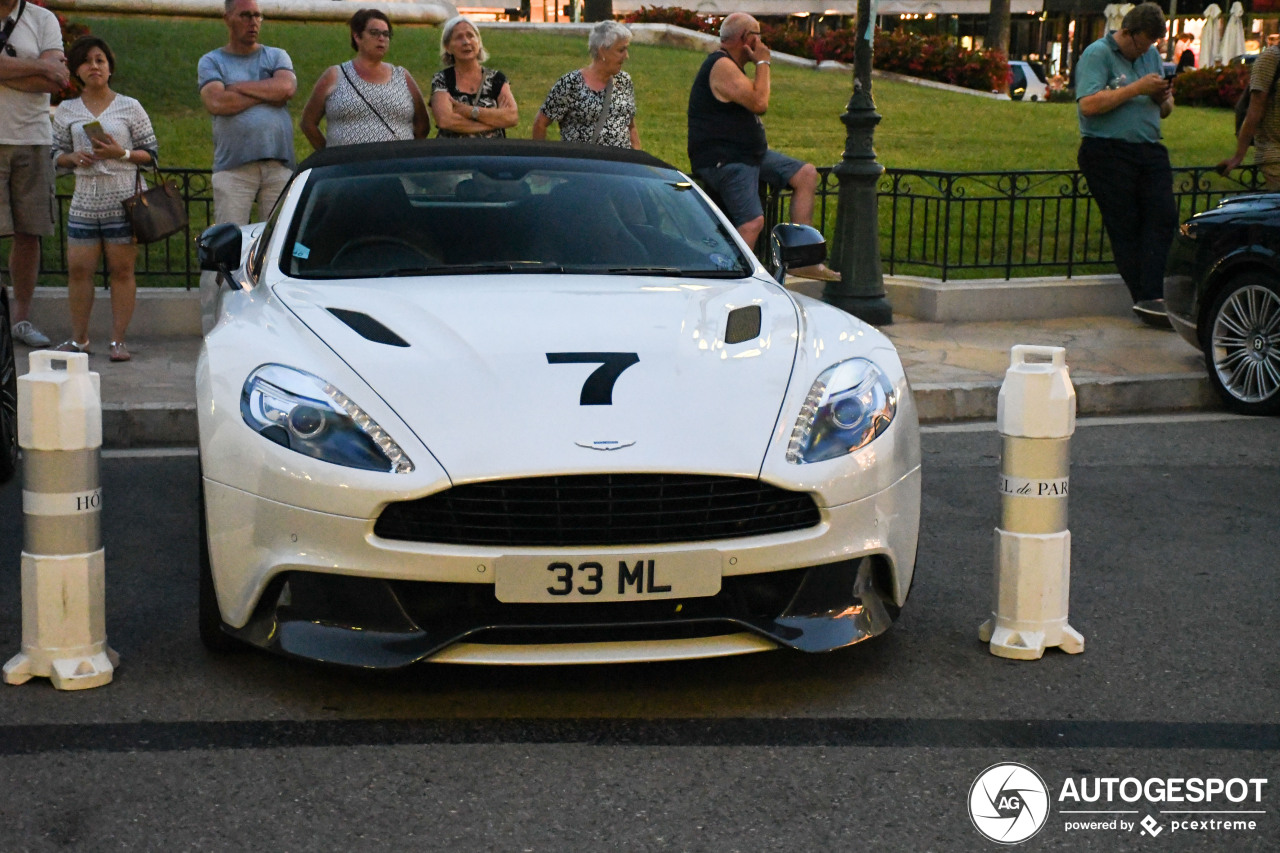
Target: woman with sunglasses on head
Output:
[(468, 99), (365, 99), (104, 136)]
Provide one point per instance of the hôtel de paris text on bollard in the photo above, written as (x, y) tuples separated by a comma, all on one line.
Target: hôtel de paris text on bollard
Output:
[(64, 635), (1036, 416)]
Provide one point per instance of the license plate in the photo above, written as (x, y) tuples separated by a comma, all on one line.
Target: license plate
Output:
[(631, 577)]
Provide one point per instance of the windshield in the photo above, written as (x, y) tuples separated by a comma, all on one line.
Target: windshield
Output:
[(450, 216)]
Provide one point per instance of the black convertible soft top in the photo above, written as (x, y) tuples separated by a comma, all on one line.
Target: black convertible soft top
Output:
[(405, 149)]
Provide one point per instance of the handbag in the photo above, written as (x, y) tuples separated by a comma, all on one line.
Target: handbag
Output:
[(155, 212)]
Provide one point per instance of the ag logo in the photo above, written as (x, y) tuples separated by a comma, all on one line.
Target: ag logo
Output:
[(1008, 803)]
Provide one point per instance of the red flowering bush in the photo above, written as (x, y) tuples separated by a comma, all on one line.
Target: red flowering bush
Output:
[(938, 58), (1211, 87), (787, 39), (836, 45), (782, 38), (675, 16)]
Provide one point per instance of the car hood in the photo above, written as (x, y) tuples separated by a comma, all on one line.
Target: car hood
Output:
[(1262, 207), (495, 375)]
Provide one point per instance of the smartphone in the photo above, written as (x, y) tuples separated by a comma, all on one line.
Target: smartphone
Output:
[(95, 131)]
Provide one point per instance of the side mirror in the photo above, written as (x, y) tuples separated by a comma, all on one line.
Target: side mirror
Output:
[(218, 250), (796, 246)]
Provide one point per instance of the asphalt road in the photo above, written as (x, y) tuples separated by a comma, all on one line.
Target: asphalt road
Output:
[(1175, 527)]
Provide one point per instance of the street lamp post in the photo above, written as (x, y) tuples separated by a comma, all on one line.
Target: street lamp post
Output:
[(856, 247)]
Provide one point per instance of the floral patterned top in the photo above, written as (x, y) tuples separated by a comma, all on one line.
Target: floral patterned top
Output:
[(491, 83), (573, 104)]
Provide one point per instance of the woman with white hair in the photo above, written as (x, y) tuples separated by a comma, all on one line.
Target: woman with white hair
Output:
[(468, 99), (596, 104)]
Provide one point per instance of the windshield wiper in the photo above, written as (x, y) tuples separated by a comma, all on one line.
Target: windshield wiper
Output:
[(475, 269), (714, 273), (668, 271)]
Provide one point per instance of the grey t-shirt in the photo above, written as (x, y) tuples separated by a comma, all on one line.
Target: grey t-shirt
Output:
[(262, 132)]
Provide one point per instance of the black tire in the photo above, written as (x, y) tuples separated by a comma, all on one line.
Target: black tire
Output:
[(212, 629), (8, 395), (1241, 344)]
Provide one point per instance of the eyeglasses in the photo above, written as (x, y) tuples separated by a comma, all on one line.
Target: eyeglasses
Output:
[(378, 34), (752, 33)]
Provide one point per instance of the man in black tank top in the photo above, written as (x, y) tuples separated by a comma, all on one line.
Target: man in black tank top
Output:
[(728, 150)]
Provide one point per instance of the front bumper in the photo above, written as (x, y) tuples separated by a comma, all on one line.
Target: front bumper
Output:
[(374, 623), (324, 587)]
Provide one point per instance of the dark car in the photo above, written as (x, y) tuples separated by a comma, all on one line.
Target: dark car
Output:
[(1222, 293)]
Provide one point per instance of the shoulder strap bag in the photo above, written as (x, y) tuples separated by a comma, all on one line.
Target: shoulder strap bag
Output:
[(604, 112), (343, 68), (8, 28), (155, 212)]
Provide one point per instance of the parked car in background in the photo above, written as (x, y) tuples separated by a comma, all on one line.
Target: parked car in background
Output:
[(1222, 294), (1026, 83), (530, 402)]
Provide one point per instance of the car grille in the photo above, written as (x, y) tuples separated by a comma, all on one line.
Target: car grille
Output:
[(599, 509)]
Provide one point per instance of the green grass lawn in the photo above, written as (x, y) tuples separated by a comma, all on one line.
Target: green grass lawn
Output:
[(922, 128)]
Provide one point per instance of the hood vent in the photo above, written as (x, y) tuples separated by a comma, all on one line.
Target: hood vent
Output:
[(368, 328), (743, 325)]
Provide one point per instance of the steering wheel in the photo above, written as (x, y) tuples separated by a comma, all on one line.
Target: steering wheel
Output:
[(373, 250)]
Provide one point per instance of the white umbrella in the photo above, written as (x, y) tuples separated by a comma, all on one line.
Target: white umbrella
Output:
[(1233, 34), (1210, 38)]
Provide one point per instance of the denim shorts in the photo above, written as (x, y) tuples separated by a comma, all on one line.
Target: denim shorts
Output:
[(86, 231), (738, 184)]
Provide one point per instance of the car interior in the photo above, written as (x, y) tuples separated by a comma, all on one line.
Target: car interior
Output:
[(459, 221)]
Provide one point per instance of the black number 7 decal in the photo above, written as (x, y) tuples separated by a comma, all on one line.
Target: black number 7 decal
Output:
[(598, 389)]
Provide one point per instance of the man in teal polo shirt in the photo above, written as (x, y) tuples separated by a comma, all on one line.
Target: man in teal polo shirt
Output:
[(1121, 96)]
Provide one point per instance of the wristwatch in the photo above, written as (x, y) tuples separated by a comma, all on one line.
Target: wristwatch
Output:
[(475, 113)]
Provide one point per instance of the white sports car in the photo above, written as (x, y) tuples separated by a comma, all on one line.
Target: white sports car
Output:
[(527, 402)]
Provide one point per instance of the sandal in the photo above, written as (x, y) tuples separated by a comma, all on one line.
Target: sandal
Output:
[(71, 346), (119, 352)]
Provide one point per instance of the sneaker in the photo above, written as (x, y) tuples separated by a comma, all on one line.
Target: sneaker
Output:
[(25, 333), (1151, 312), (73, 346)]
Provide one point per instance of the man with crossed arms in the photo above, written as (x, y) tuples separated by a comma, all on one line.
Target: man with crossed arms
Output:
[(32, 66)]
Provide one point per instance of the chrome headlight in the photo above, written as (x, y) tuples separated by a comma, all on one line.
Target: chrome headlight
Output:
[(304, 413), (847, 407)]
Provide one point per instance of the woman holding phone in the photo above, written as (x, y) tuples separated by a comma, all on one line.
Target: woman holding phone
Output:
[(104, 136)]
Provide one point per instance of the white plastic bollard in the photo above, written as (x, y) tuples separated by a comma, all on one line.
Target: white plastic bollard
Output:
[(1036, 416), (64, 635)]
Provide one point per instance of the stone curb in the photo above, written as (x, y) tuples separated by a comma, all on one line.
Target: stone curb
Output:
[(133, 425), (971, 401)]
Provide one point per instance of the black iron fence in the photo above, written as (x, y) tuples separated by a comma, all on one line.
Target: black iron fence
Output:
[(988, 224), (168, 263), (935, 224)]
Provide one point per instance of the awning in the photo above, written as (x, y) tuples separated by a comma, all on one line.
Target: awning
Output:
[(762, 8)]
